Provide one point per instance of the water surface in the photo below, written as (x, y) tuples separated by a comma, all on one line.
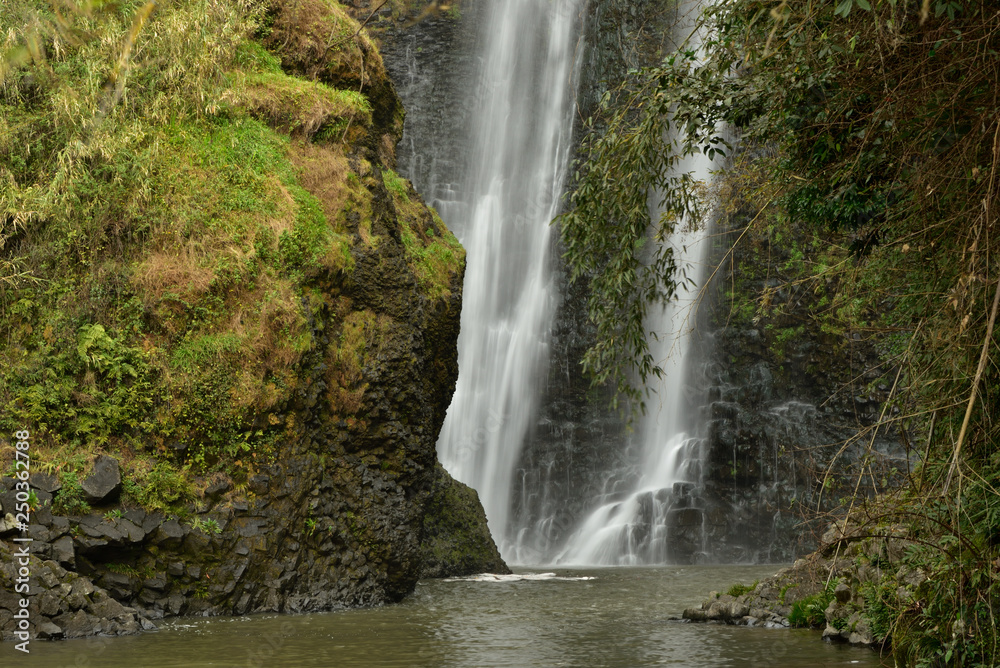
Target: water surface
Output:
[(621, 618)]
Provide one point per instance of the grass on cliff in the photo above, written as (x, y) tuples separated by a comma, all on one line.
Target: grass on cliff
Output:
[(158, 232), (432, 250)]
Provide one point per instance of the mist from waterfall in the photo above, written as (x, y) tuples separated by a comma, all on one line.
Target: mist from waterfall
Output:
[(519, 154)]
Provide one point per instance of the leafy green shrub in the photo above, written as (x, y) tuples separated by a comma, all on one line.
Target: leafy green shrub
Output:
[(811, 611), (70, 498), (163, 487), (879, 599), (89, 391), (209, 526)]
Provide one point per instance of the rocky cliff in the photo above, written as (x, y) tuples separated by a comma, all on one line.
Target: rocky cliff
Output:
[(790, 395), (234, 352)]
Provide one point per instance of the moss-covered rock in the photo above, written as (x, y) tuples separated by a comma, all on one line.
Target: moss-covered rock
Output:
[(319, 40), (456, 539), (852, 588), (221, 284)]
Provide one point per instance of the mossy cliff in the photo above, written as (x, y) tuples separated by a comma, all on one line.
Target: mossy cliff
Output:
[(216, 288)]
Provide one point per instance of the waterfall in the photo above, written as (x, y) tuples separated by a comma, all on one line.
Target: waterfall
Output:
[(638, 527), (659, 520), (501, 209)]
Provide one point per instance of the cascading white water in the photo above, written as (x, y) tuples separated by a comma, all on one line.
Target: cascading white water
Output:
[(520, 150), (635, 528)]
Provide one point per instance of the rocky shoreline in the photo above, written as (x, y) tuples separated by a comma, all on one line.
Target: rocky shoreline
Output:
[(835, 589), (116, 570)]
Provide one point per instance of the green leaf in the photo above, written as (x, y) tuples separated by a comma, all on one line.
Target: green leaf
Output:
[(844, 8)]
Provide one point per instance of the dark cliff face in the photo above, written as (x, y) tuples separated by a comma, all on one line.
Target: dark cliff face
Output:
[(789, 400), (325, 504)]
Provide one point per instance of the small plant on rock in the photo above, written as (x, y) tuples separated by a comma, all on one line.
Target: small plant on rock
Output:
[(739, 589), (70, 498)]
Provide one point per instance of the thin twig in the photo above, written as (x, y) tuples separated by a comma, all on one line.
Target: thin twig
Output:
[(984, 355), (357, 32)]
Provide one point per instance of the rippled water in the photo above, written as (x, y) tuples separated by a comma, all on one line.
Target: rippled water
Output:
[(586, 618)]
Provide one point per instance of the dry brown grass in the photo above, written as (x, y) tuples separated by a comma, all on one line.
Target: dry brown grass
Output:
[(273, 332), (359, 340), (323, 172), (319, 39), (184, 270), (287, 209)]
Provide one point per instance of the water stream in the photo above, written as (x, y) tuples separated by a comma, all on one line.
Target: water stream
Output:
[(638, 527)]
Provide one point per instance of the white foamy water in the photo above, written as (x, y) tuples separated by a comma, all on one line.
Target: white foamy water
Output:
[(520, 577)]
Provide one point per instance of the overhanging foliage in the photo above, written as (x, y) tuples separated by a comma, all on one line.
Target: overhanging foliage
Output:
[(877, 119)]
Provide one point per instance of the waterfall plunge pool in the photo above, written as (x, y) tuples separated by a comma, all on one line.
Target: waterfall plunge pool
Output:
[(586, 618)]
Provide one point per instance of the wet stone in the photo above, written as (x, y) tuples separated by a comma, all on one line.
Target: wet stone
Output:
[(46, 630), (170, 532), (217, 489), (45, 482)]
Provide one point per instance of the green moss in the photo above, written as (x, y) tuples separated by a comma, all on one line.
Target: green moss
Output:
[(433, 252), (456, 541), (192, 354), (397, 185), (251, 56), (299, 106)]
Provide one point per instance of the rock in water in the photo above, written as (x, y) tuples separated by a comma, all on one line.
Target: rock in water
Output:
[(456, 540)]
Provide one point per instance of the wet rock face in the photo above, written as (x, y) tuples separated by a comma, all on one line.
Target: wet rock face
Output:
[(456, 539), (784, 405), (337, 520), (431, 64)]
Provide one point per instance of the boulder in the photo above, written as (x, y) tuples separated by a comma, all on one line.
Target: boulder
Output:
[(46, 630), (104, 483), (8, 525), (45, 482)]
